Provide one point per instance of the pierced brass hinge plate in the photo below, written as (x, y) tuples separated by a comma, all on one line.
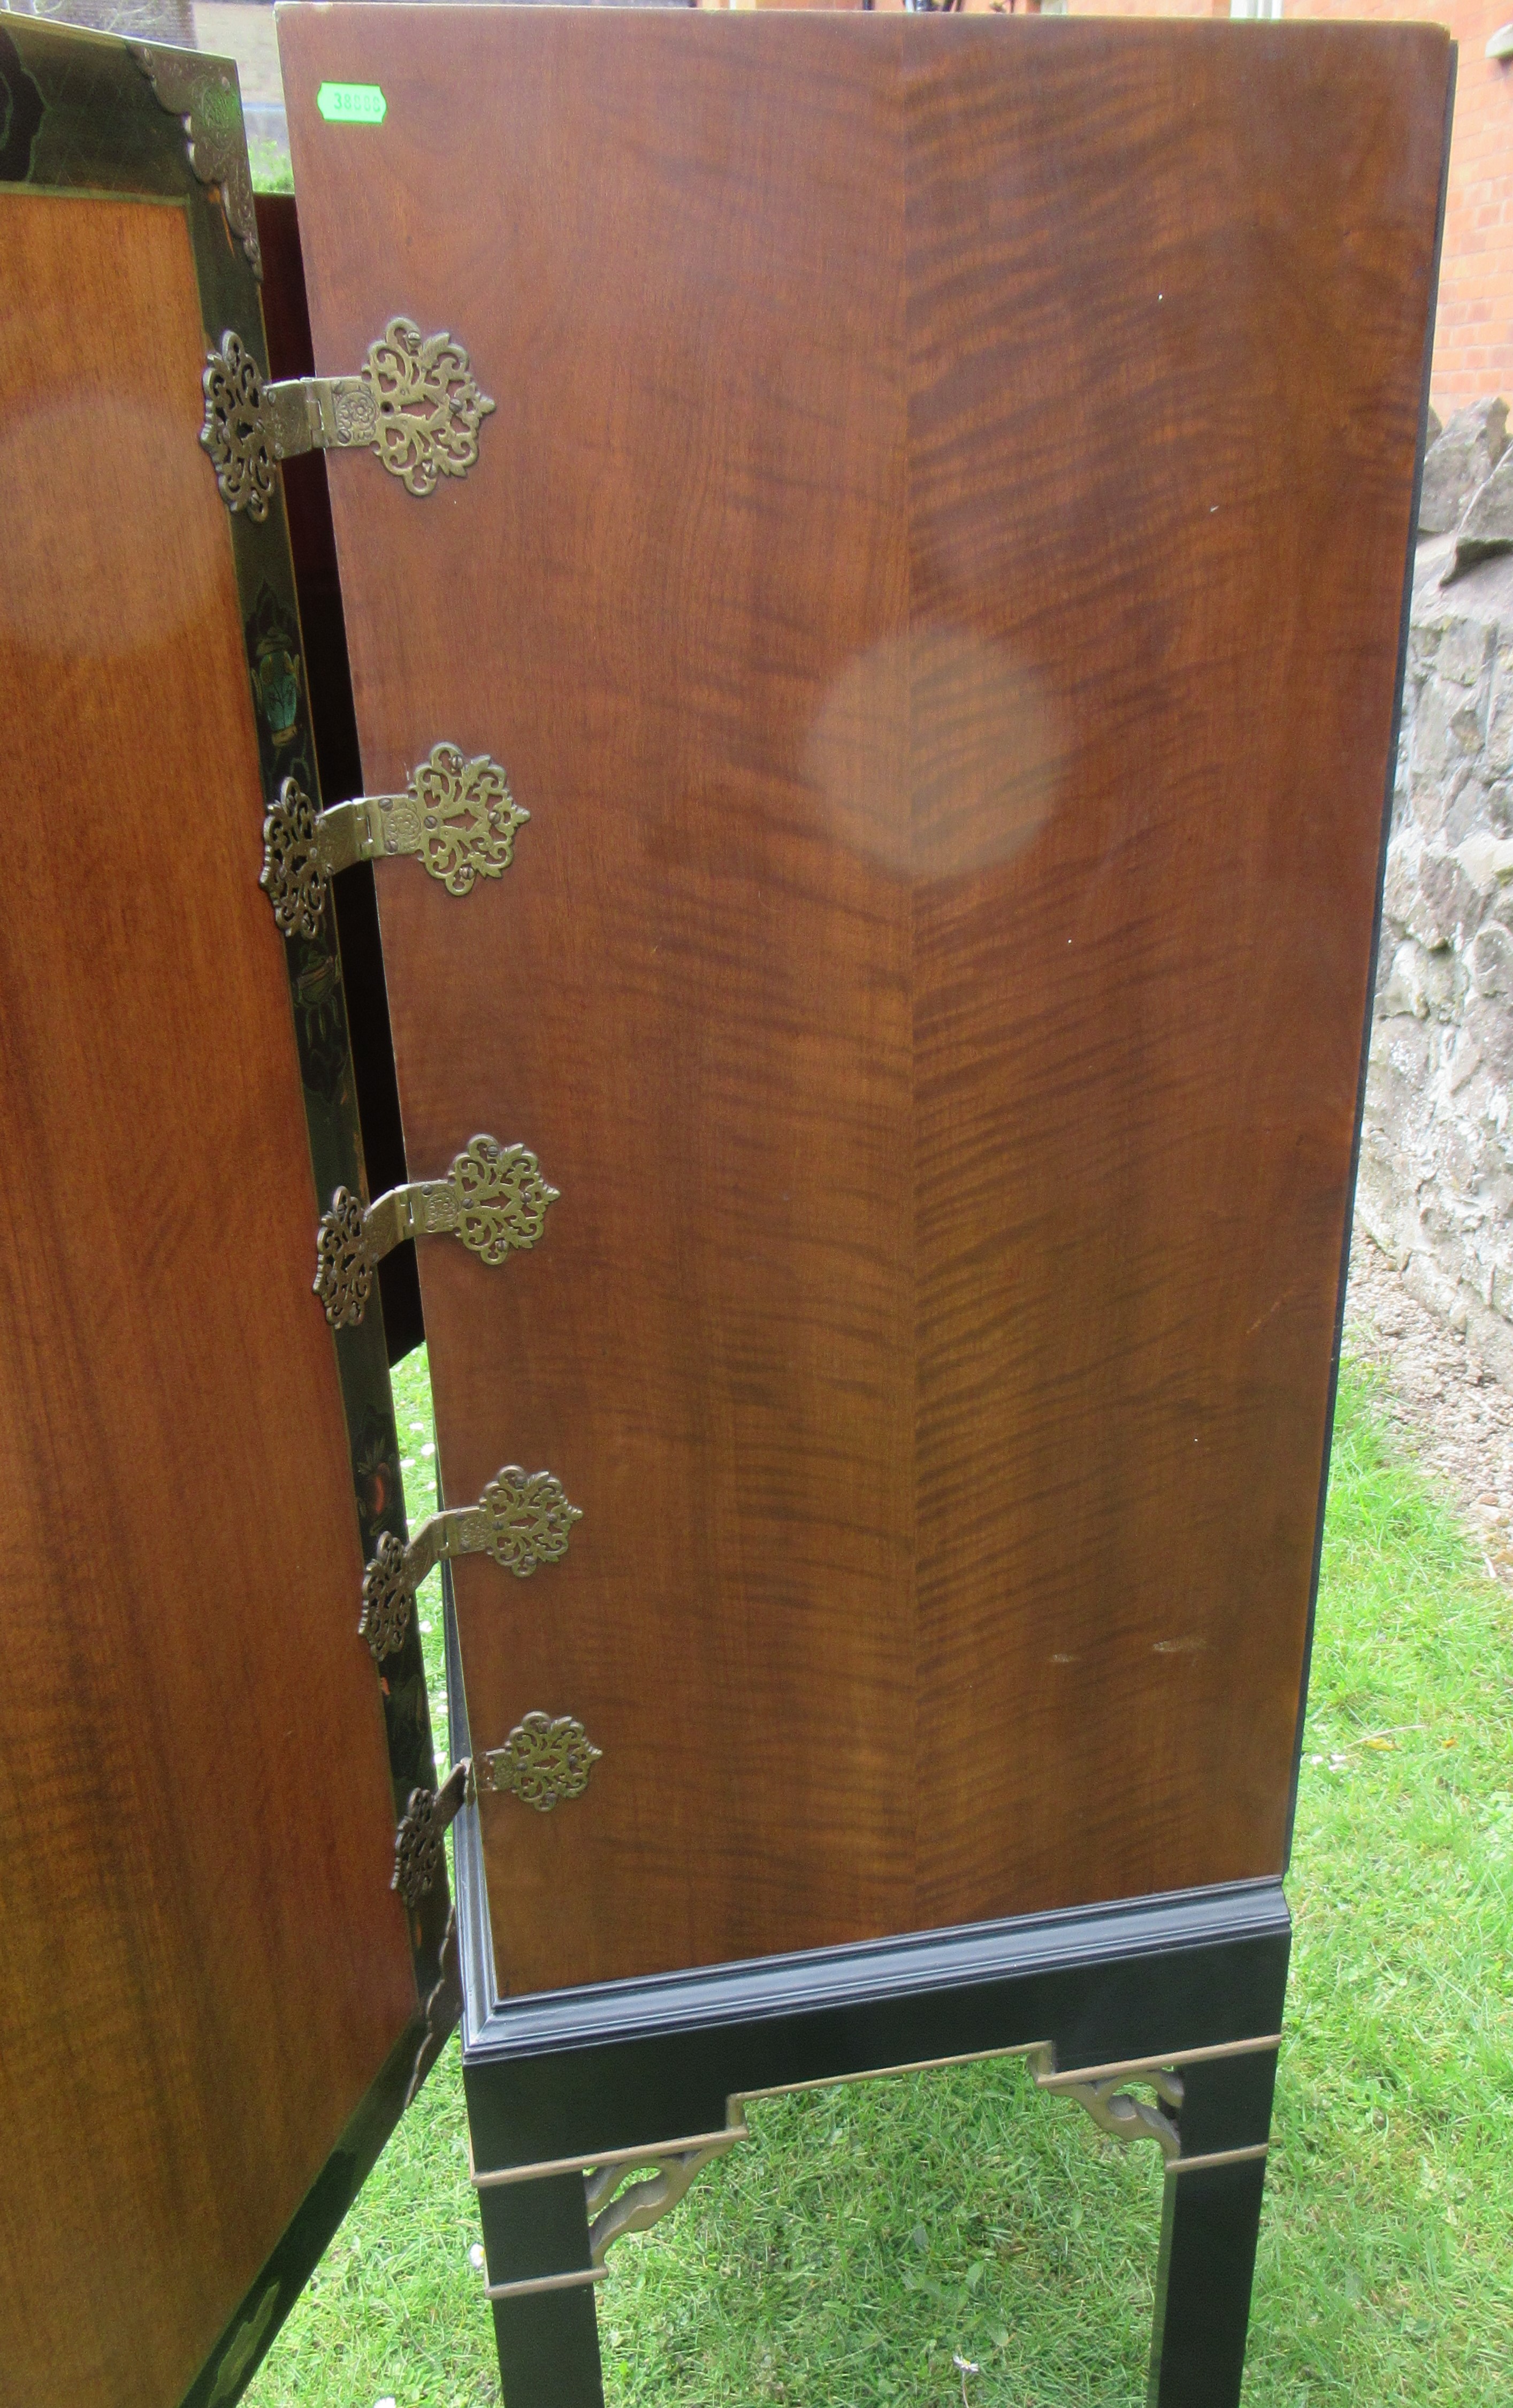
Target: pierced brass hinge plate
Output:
[(456, 817), (414, 402), (522, 1520), (493, 1199), (419, 1854), (545, 1760)]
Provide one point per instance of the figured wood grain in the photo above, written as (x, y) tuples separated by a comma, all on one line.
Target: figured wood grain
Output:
[(934, 576), (1162, 446), (204, 1967)]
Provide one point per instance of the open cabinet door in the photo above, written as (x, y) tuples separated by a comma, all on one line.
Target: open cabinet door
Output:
[(212, 1998)]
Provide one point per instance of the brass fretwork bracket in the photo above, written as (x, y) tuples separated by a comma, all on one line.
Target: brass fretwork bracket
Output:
[(456, 817), (414, 402), (674, 2164), (493, 1199), (1114, 2108), (646, 2203), (1102, 2090), (669, 2173), (522, 1520)]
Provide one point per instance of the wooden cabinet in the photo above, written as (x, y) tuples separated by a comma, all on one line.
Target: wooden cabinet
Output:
[(884, 624)]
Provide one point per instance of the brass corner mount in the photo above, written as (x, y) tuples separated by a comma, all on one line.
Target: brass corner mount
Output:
[(205, 97)]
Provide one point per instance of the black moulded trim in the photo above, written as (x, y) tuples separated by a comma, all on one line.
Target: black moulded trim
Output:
[(559, 2074)]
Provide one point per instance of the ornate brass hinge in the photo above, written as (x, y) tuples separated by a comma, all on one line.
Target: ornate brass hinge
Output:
[(493, 1198), (414, 401), (543, 1761), (458, 818), (522, 1520), (419, 1854)]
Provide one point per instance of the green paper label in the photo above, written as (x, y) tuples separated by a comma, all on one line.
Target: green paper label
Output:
[(351, 104)]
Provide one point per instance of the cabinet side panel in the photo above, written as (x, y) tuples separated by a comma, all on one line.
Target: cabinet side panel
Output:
[(204, 1967)]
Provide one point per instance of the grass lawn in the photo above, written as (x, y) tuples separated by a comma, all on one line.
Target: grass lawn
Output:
[(840, 2258)]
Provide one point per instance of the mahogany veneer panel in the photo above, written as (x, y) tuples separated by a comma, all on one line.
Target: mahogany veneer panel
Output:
[(204, 1968), (934, 575)]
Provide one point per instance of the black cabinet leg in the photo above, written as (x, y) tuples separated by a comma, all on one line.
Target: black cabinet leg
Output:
[(548, 2340), (1209, 2226)]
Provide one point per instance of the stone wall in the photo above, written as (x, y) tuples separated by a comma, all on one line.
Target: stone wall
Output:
[(1437, 1160)]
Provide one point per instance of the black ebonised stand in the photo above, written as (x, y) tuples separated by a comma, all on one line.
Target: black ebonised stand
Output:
[(1180, 1994)]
